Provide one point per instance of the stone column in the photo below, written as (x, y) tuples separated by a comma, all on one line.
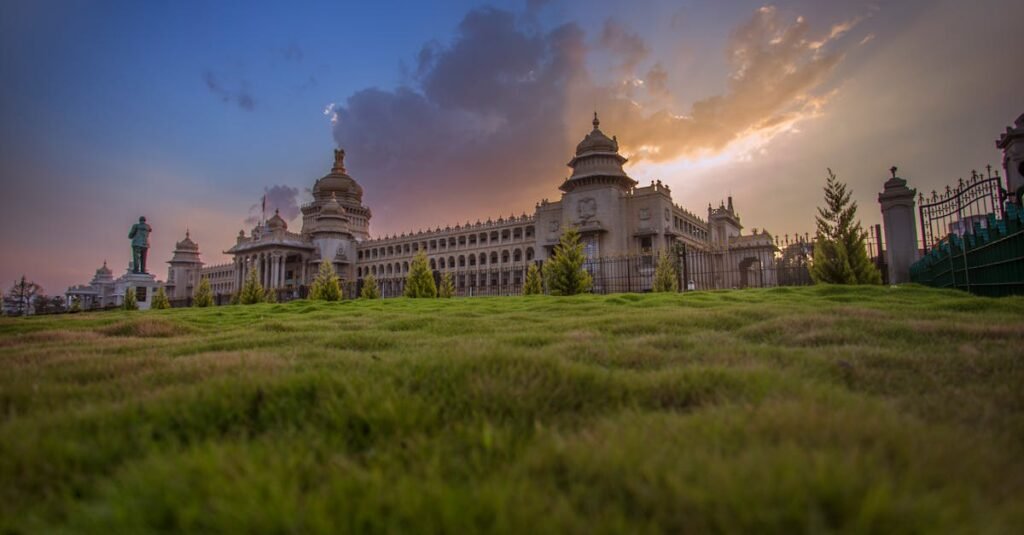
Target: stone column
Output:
[(900, 221)]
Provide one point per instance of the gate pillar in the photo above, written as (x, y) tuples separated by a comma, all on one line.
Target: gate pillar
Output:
[(898, 217)]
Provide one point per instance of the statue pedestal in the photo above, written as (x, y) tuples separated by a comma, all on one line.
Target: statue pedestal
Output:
[(145, 286)]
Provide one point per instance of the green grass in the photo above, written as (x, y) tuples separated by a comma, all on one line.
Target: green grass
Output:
[(781, 410)]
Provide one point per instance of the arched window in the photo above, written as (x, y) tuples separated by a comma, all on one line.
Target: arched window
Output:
[(494, 257), (529, 232), (517, 255), (483, 259), (389, 269), (373, 269), (504, 256), (517, 233), (505, 235), (440, 263), (398, 268), (433, 264), (451, 262), (462, 260), (472, 240), (405, 267), (529, 254), (472, 260), (494, 236)]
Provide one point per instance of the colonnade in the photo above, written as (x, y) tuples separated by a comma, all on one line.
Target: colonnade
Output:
[(271, 269)]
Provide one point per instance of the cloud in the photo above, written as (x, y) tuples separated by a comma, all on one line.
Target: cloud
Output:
[(279, 197), (240, 97), (491, 117)]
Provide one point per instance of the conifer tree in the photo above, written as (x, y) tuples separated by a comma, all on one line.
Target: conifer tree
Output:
[(564, 270), (447, 288), (533, 284), (420, 281), (270, 296), (76, 304), (326, 286), (370, 290), (252, 290), (160, 301), (129, 300), (840, 255), (235, 299), (666, 276), (203, 296)]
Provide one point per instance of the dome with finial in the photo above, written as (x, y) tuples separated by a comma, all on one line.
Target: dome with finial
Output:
[(277, 222), (338, 182), (597, 160), (187, 244), (104, 270), (103, 275)]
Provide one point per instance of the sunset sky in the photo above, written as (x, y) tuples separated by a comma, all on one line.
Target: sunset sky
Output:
[(188, 112)]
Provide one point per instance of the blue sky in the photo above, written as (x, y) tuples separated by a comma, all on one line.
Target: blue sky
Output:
[(187, 111)]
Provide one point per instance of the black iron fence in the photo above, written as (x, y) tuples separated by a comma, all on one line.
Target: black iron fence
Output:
[(959, 209)]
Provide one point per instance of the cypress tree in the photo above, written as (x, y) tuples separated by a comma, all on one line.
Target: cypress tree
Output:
[(564, 271), (666, 276), (270, 296), (420, 282), (533, 284), (129, 300), (326, 286), (76, 304), (370, 290), (447, 288), (252, 290), (160, 301), (840, 255), (203, 296)]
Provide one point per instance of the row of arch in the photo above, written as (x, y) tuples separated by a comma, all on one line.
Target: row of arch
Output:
[(451, 242), (452, 262)]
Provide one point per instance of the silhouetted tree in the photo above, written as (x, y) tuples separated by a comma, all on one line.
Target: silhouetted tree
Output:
[(21, 296)]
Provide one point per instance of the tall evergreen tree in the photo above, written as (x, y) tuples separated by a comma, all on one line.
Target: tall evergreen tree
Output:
[(22, 295), (447, 288), (420, 282), (370, 289), (326, 286), (252, 290), (840, 255), (666, 275), (203, 296), (564, 270), (533, 284), (160, 301), (129, 299), (76, 304)]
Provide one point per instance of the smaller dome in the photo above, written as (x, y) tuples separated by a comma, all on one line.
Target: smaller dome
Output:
[(332, 208), (187, 244), (104, 270), (277, 222)]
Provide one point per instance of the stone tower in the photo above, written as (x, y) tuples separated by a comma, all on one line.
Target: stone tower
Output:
[(183, 271), (900, 221)]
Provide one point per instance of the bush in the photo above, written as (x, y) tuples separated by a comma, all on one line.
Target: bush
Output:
[(447, 286), (370, 290), (203, 296), (666, 276), (533, 284), (420, 282), (129, 300), (564, 271), (840, 256), (160, 301), (252, 290), (326, 286)]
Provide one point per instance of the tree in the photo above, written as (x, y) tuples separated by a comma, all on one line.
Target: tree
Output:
[(370, 290), (270, 296), (252, 290), (840, 256), (76, 304), (129, 299), (533, 284), (326, 286), (564, 270), (21, 296), (447, 288), (203, 296), (160, 301), (666, 276), (420, 282)]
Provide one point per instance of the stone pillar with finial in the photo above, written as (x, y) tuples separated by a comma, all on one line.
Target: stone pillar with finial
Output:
[(900, 220)]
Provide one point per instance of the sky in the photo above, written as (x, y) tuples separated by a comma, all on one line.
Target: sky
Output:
[(190, 112)]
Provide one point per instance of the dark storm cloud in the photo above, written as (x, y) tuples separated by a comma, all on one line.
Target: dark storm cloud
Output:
[(241, 97), (279, 197), (491, 117)]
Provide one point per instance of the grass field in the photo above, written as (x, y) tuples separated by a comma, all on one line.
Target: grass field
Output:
[(781, 410)]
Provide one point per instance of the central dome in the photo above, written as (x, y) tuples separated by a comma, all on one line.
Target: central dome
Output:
[(338, 182), (596, 141)]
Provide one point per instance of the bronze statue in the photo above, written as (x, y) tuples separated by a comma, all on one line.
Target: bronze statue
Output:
[(139, 235)]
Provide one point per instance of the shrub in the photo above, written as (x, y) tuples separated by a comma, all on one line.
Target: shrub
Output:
[(370, 290), (129, 300), (840, 256), (420, 282), (533, 284), (326, 286), (252, 290), (666, 276), (447, 288), (270, 296), (203, 296), (564, 271), (160, 301)]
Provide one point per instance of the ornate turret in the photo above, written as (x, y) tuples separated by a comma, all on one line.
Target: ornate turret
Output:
[(277, 222), (338, 182), (103, 274), (332, 218), (597, 161)]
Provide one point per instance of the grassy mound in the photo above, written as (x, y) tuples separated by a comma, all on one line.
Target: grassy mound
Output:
[(777, 410)]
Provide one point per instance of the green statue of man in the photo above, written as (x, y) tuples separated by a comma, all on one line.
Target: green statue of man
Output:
[(139, 235)]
